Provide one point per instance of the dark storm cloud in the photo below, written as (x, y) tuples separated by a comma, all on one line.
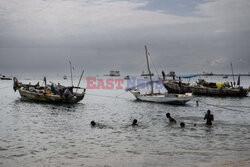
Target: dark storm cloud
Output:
[(103, 35)]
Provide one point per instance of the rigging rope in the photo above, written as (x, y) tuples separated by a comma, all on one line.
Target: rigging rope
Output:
[(219, 106), (121, 94), (115, 97)]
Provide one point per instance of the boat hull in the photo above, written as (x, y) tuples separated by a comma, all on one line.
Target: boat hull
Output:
[(162, 98), (4, 78), (174, 87), (49, 98)]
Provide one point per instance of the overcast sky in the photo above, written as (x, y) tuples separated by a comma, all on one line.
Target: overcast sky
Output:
[(187, 36)]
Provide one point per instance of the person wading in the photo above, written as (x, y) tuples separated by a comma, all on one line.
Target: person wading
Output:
[(209, 117), (171, 120)]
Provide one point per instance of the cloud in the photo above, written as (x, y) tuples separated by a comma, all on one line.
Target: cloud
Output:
[(58, 19), (226, 15), (106, 34)]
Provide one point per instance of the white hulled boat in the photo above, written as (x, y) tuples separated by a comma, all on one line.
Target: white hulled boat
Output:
[(158, 97)]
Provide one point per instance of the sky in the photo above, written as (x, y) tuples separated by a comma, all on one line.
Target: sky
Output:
[(186, 36)]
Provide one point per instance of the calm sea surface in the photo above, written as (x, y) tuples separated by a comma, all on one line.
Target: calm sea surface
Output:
[(38, 134)]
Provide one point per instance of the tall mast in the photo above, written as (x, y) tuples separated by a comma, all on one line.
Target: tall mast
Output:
[(151, 82), (71, 73), (232, 72)]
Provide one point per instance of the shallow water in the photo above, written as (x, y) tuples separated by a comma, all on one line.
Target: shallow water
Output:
[(39, 134)]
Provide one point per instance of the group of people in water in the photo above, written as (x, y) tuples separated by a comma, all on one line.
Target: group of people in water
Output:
[(208, 117)]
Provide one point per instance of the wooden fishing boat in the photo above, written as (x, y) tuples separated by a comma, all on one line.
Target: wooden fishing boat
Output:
[(158, 97), (174, 86), (62, 94)]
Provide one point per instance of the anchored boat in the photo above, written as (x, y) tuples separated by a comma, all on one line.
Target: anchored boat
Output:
[(158, 97), (114, 73), (204, 88), (163, 97), (3, 77), (53, 93)]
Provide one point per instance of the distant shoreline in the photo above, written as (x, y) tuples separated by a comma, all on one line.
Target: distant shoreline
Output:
[(222, 74), (211, 74)]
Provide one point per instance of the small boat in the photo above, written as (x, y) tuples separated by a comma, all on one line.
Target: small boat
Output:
[(127, 77), (143, 74), (65, 77), (158, 97), (54, 93), (204, 88), (3, 77), (225, 76), (114, 73)]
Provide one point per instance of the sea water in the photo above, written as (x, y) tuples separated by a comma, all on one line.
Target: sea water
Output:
[(40, 134)]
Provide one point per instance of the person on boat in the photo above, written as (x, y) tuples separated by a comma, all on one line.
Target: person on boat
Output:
[(171, 120), (209, 117), (68, 93), (37, 85), (163, 75), (134, 122), (182, 124), (53, 89), (180, 81)]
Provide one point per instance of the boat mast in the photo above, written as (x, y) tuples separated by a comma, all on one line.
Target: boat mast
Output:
[(150, 76), (71, 73), (232, 73)]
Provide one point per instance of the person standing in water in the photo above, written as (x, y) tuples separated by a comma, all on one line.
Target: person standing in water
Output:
[(209, 117), (171, 120)]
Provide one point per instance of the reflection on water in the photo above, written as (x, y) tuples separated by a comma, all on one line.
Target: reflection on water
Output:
[(37, 134)]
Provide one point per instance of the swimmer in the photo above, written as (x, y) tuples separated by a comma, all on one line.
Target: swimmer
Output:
[(99, 125), (134, 122), (182, 124), (171, 120), (93, 124)]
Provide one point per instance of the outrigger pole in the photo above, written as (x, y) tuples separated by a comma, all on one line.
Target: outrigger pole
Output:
[(79, 80)]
